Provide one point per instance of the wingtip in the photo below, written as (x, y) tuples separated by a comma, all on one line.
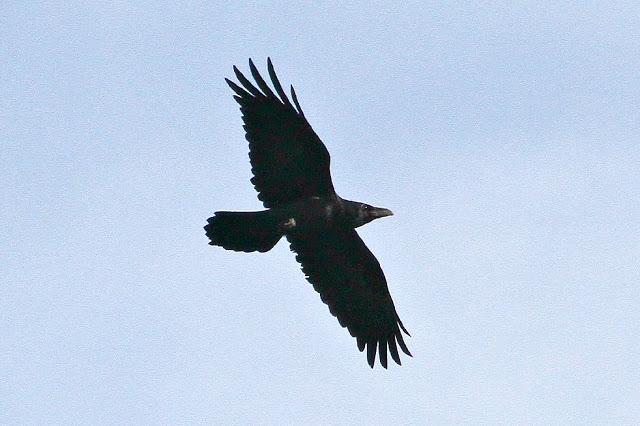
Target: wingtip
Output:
[(403, 345), (382, 352), (276, 83), (371, 353), (393, 350), (403, 329), (295, 101), (252, 64), (238, 73)]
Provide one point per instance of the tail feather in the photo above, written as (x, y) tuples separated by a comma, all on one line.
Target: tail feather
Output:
[(244, 231)]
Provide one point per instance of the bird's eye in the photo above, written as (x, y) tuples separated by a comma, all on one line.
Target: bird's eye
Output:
[(365, 207)]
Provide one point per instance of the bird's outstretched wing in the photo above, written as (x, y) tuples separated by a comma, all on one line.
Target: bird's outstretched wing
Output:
[(289, 161), (350, 281)]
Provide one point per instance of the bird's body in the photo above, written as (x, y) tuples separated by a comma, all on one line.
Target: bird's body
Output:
[(291, 174), (311, 215)]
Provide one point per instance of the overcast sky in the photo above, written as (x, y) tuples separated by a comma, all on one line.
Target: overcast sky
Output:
[(506, 139)]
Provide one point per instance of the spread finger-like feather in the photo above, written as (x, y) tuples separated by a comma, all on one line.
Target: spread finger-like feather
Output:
[(371, 352), (402, 327), (261, 83), (247, 84), (276, 83), (393, 349), (239, 90), (382, 351), (402, 345), (295, 101)]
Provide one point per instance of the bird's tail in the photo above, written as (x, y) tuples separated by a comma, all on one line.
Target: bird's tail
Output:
[(244, 231)]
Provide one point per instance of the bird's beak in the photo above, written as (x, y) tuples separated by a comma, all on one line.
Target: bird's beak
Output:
[(380, 212)]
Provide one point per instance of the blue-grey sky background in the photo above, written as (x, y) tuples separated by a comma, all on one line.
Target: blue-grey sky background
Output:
[(505, 136)]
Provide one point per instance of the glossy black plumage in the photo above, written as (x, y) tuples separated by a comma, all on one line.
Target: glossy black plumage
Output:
[(290, 165)]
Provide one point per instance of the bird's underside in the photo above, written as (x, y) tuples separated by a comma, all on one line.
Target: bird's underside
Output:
[(290, 166)]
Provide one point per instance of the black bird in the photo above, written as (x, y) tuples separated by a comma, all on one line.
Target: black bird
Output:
[(290, 165)]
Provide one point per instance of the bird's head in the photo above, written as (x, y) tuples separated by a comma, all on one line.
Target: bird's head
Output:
[(361, 213)]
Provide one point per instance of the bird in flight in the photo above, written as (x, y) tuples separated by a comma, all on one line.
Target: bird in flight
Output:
[(290, 166)]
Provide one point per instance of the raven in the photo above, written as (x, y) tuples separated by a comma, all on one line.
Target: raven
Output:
[(290, 166)]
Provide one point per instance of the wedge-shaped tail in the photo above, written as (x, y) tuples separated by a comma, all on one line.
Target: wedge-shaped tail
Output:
[(244, 231)]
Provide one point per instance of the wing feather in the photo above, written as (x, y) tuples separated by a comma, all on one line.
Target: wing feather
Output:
[(393, 349), (247, 84), (276, 83), (295, 101), (242, 94), (382, 351), (261, 83), (371, 353)]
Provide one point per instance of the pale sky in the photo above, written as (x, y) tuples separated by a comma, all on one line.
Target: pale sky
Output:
[(505, 138)]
